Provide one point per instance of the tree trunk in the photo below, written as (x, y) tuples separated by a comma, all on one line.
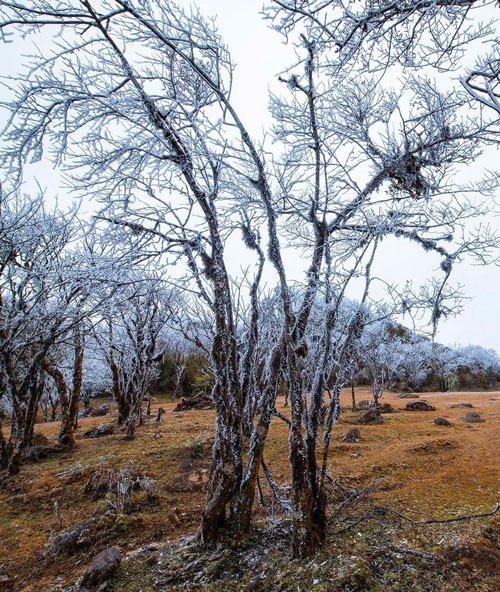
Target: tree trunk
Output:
[(69, 421), (308, 520), (242, 513), (3, 446), (220, 489), (66, 430)]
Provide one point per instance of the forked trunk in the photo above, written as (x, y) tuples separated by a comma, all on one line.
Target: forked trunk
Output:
[(220, 490), (242, 512), (308, 502)]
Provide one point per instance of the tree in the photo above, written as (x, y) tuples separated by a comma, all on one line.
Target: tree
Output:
[(160, 143), (39, 294), (133, 342)]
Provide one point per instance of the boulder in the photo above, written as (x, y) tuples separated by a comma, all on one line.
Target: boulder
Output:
[(441, 421), (465, 405), (386, 408), (101, 568), (99, 431), (408, 396), (372, 416), (421, 405), (39, 440), (353, 435), (472, 417), (100, 411)]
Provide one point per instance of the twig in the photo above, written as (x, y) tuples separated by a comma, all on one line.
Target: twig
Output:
[(284, 503), (351, 495), (353, 524), (440, 521), (284, 418), (415, 553)]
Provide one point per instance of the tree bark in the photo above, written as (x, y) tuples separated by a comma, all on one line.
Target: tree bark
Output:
[(69, 419)]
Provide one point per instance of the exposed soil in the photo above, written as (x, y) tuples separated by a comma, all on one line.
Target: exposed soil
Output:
[(423, 469)]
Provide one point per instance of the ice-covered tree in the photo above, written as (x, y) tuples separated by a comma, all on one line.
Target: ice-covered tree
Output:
[(142, 119)]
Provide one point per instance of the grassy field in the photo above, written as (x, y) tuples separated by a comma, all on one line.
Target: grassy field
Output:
[(419, 469)]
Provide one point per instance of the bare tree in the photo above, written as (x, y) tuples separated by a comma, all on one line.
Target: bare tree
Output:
[(160, 143), (132, 340), (38, 297)]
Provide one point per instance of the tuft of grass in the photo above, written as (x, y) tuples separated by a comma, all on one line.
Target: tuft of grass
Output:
[(196, 447)]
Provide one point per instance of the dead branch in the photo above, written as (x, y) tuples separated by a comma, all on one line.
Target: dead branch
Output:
[(437, 520), (414, 552)]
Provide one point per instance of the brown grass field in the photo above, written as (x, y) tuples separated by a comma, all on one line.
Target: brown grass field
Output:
[(443, 471)]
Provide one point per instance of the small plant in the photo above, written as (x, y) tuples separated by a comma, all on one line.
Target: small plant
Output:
[(121, 522), (196, 447), (118, 487)]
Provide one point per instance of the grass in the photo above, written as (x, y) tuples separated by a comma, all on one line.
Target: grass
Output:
[(425, 468)]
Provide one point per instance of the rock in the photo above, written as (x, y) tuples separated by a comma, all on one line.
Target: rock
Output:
[(101, 430), (101, 568), (386, 408), (372, 416), (365, 404), (36, 453), (476, 555), (353, 435), (39, 440), (85, 412), (408, 396), (100, 411), (421, 405), (78, 536), (472, 417), (441, 421), (466, 405)]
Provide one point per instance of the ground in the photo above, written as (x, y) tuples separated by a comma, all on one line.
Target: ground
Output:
[(416, 467)]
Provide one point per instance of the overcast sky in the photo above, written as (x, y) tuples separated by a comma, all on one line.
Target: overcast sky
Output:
[(260, 56)]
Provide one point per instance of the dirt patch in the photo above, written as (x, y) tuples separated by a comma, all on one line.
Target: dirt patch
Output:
[(476, 555)]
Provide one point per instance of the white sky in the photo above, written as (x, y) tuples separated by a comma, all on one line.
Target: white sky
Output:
[(260, 55)]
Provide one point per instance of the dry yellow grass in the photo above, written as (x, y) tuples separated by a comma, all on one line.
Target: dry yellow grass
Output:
[(444, 470)]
